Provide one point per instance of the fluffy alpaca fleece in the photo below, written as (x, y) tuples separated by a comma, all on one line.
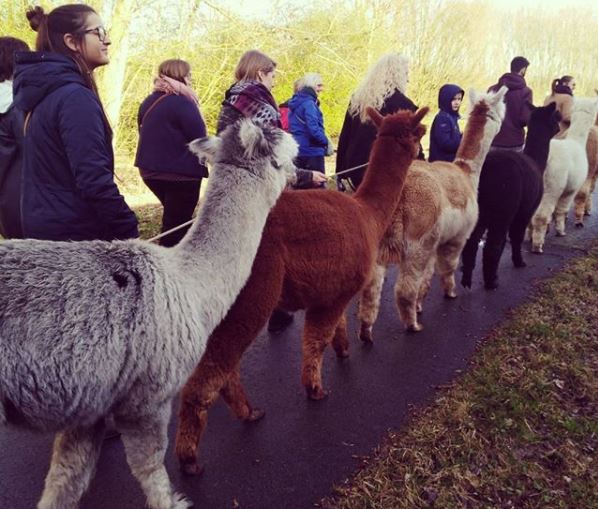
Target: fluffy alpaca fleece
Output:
[(317, 251), (566, 171), (433, 220), (510, 191), (583, 198), (89, 329)]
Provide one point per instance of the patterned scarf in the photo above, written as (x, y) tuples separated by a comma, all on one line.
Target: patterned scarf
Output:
[(254, 101), (167, 85)]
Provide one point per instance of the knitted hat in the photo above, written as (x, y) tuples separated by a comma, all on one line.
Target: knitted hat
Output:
[(518, 63)]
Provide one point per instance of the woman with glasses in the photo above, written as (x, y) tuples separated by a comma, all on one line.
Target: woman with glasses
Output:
[(68, 189), (168, 120)]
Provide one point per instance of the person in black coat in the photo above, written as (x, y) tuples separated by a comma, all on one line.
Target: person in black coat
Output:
[(11, 138), (168, 119), (68, 189), (383, 89)]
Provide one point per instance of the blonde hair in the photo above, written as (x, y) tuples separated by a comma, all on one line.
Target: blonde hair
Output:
[(251, 63), (384, 77), (175, 69), (311, 79)]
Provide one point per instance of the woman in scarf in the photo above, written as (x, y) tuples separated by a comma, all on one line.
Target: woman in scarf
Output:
[(168, 119)]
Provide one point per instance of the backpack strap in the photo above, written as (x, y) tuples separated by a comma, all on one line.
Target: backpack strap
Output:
[(151, 108)]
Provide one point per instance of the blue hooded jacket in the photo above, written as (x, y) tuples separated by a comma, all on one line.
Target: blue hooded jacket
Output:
[(68, 189), (306, 123), (445, 135)]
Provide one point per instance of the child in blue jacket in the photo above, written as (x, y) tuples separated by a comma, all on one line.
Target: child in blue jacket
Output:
[(445, 135)]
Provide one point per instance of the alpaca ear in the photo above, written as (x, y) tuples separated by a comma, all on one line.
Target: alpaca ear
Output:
[(252, 139), (205, 148), (498, 97), (374, 116), (473, 97), (418, 115)]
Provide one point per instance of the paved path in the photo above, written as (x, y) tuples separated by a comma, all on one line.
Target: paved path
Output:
[(292, 458)]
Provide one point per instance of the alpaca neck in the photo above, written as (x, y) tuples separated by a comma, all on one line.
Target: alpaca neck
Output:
[(537, 150), (473, 151), (219, 249), (579, 131), (384, 180)]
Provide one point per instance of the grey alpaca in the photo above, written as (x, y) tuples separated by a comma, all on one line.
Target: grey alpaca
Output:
[(89, 329)]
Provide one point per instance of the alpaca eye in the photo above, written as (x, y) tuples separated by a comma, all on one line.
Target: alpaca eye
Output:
[(275, 164)]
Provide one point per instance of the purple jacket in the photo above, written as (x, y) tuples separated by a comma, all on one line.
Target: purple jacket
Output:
[(511, 133)]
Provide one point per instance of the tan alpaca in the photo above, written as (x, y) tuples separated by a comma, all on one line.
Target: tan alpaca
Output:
[(583, 198), (433, 219)]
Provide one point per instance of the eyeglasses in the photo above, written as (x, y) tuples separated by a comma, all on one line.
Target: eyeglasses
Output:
[(99, 31)]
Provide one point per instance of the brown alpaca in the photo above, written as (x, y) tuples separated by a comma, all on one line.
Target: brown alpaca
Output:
[(583, 198), (433, 220), (317, 251)]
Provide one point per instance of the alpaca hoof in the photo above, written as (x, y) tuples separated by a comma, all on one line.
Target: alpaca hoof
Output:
[(491, 285), (416, 327), (316, 393), (519, 263), (537, 249), (342, 354), (578, 225), (182, 502), (560, 234), (255, 415), (587, 213), (466, 281), (191, 468), (365, 333), (419, 309), (450, 295)]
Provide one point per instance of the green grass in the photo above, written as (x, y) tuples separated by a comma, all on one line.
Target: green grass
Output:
[(518, 430)]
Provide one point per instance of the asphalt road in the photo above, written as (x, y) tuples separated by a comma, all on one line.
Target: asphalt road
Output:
[(293, 457)]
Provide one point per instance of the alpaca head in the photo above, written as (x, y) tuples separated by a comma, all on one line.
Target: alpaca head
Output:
[(543, 122), (403, 126), (264, 151), (487, 112), (584, 111)]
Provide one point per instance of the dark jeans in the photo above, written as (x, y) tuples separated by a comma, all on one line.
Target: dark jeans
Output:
[(179, 199), (313, 163)]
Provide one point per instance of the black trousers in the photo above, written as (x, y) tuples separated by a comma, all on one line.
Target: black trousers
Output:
[(179, 199)]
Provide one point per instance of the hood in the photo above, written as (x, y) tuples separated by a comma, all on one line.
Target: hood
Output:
[(445, 96), (512, 81), (5, 96), (38, 74), (304, 95)]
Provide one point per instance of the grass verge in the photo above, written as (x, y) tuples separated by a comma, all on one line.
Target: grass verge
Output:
[(518, 430)]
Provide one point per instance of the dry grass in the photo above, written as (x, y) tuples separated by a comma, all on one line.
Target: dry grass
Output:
[(518, 430)]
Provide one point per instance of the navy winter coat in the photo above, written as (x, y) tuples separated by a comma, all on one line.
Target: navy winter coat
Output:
[(165, 133), (511, 132), (11, 161), (445, 134), (306, 123), (68, 166)]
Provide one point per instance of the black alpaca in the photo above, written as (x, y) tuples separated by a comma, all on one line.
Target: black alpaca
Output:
[(511, 187)]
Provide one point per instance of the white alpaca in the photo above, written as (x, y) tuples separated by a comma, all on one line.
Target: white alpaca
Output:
[(566, 171), (89, 329), (433, 219)]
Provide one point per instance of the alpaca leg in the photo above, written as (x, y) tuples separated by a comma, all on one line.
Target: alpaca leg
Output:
[(340, 341), (74, 459), (369, 303), (495, 244), (425, 285), (562, 208), (580, 203), (516, 235), (145, 440), (412, 271), (447, 263), (540, 223), (234, 395), (198, 395), (320, 325), (470, 251)]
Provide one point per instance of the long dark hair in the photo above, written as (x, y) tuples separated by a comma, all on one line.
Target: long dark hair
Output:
[(561, 82), (50, 28), (8, 47)]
